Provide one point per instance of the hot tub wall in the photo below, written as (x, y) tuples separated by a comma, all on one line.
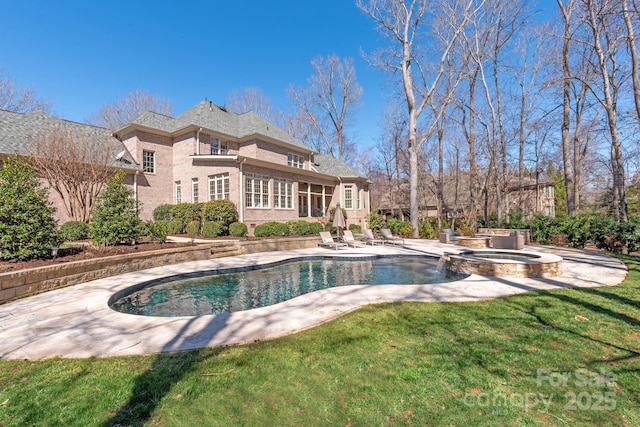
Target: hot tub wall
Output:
[(516, 269)]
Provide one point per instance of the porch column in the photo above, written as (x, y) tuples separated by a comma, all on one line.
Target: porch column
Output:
[(324, 206), (308, 200)]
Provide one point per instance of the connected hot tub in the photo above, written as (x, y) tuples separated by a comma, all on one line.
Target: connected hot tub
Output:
[(504, 263)]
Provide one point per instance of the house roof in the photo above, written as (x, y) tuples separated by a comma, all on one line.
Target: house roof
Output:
[(331, 166), (19, 133), (210, 116)]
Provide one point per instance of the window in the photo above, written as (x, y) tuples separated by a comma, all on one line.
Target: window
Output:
[(219, 147), (148, 161), (219, 187), (548, 192), (295, 161), (282, 194), (194, 189), (257, 191), (348, 196), (178, 192)]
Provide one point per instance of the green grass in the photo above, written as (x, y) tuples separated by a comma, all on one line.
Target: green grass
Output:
[(475, 364)]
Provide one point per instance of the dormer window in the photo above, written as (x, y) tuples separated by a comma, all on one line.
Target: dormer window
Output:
[(295, 161), (219, 147)]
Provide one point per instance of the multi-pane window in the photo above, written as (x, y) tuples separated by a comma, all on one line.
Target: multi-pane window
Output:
[(178, 192), (219, 147), (348, 196), (194, 190), (548, 192), (148, 161), (219, 187), (282, 194), (295, 161), (256, 191)]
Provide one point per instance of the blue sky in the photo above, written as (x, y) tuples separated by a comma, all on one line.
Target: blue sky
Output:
[(83, 54)]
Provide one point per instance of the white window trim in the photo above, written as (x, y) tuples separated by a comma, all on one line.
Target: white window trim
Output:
[(278, 184), (219, 181), (195, 190), (153, 161), (178, 192), (250, 197)]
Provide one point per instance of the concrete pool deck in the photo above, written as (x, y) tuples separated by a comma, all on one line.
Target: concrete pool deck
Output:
[(76, 322)]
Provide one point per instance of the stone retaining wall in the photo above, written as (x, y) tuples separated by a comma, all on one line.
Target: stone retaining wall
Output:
[(18, 284)]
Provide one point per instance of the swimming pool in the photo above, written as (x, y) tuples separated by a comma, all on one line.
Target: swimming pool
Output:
[(224, 291)]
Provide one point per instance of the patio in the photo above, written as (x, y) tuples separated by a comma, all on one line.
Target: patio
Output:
[(76, 321)]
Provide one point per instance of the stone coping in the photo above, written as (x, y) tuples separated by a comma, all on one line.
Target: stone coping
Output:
[(77, 322), (22, 283)]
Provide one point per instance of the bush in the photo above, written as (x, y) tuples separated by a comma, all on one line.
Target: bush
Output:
[(355, 228), (27, 226), (271, 228), (374, 221), (185, 213), (175, 226), (74, 230), (222, 211), (406, 229), (301, 227), (158, 230), (316, 228), (114, 218), (542, 227), (238, 229), (211, 229), (162, 213), (193, 228), (426, 229), (394, 224)]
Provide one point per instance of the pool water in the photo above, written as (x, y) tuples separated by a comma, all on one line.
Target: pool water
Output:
[(213, 293)]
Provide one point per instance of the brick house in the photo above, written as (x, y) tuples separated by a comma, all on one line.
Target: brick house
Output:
[(209, 153)]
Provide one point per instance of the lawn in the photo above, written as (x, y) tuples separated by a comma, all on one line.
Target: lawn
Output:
[(564, 357)]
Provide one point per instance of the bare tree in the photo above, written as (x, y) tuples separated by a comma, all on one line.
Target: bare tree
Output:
[(19, 99), (130, 106), (75, 161), (633, 51), (251, 99), (328, 105), (567, 10), (601, 18), (414, 28)]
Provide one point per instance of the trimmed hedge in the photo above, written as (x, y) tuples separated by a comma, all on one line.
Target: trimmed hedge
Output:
[(238, 229), (211, 229), (272, 228), (74, 230)]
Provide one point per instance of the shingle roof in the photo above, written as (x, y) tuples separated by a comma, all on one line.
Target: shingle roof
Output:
[(331, 166), (19, 133), (208, 115)]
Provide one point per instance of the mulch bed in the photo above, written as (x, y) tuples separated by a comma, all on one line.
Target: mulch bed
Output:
[(86, 251)]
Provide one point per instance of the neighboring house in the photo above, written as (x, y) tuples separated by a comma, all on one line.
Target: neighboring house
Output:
[(536, 192), (28, 134), (209, 153)]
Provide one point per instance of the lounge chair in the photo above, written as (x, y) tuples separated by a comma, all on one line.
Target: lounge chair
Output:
[(351, 241), (388, 237), (369, 238), (327, 241)]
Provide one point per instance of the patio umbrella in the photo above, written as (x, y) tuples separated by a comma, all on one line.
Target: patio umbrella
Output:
[(338, 219)]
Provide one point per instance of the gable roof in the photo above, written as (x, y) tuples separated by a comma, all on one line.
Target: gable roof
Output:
[(210, 116), (19, 133)]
